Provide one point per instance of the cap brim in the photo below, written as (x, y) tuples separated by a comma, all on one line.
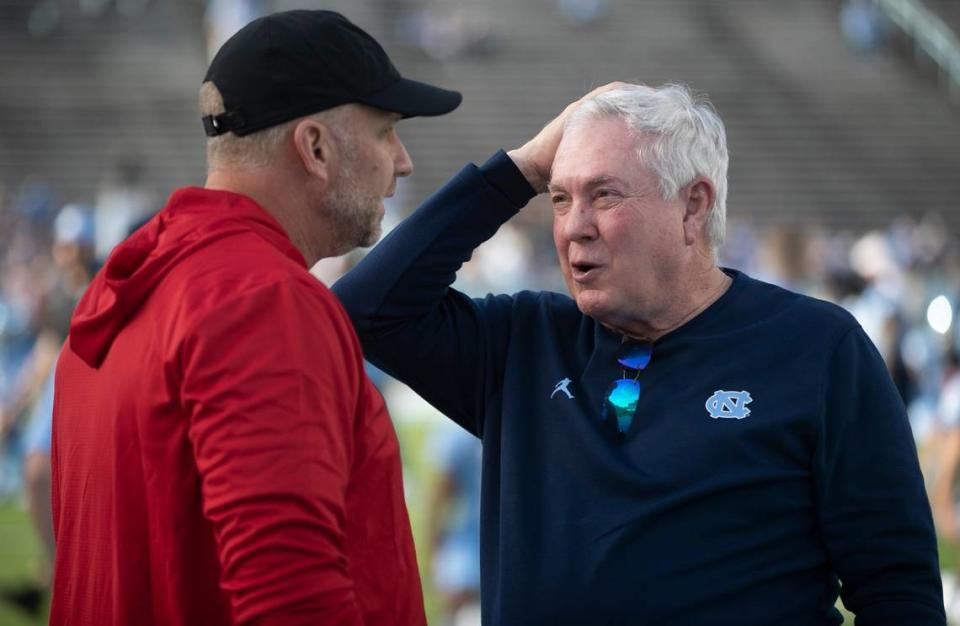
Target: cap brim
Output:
[(411, 98)]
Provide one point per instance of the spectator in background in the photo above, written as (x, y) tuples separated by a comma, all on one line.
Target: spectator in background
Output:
[(444, 29), (74, 266), (946, 453), (782, 258), (27, 270), (219, 456), (122, 201), (454, 525), (903, 378), (583, 12), (18, 303), (863, 24)]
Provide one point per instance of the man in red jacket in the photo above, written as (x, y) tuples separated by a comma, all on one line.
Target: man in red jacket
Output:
[(219, 457)]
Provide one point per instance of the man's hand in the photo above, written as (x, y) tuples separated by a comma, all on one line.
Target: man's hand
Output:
[(535, 157)]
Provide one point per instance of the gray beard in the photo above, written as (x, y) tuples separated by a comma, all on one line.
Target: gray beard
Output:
[(353, 216)]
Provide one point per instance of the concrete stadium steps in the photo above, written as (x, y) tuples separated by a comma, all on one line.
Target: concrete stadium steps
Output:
[(97, 90), (817, 133), (947, 10)]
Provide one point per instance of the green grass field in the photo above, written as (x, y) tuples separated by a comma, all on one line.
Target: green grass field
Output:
[(19, 560)]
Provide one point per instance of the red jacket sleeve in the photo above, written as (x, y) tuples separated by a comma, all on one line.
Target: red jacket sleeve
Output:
[(272, 382)]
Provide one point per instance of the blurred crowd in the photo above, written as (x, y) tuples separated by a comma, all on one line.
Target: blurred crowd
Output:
[(902, 284)]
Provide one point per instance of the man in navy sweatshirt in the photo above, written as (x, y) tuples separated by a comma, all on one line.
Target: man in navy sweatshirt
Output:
[(673, 443)]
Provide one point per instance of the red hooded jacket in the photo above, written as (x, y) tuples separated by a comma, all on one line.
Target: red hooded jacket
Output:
[(219, 455)]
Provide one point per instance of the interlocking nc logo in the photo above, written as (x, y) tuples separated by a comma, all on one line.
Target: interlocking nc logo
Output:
[(729, 404)]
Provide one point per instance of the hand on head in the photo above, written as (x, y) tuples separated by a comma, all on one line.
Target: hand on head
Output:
[(535, 157)]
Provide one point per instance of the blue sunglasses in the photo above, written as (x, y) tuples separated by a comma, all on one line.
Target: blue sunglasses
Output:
[(620, 401)]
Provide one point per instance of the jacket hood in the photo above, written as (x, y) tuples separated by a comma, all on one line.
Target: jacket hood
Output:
[(192, 219)]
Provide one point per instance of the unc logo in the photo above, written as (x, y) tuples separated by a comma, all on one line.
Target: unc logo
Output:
[(729, 404)]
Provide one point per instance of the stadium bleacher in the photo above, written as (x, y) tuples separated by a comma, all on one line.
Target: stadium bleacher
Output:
[(818, 134)]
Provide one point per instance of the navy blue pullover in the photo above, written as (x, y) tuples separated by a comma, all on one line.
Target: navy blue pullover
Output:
[(717, 509)]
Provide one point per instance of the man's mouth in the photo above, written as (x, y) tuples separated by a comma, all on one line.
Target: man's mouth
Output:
[(583, 272)]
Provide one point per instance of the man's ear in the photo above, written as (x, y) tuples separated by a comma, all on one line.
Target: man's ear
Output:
[(316, 147), (699, 196)]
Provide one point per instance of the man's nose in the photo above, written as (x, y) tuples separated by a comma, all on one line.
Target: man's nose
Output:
[(403, 164), (580, 223)]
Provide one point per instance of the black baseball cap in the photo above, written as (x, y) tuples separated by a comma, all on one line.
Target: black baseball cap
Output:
[(294, 63)]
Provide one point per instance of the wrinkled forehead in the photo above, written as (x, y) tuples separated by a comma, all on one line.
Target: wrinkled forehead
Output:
[(594, 149)]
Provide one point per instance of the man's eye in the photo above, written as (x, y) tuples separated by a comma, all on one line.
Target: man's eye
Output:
[(558, 199), (606, 197)]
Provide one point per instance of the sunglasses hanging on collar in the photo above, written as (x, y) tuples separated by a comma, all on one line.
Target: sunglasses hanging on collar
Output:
[(620, 400)]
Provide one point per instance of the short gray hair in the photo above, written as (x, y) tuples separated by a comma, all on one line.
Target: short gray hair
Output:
[(258, 148), (688, 140)]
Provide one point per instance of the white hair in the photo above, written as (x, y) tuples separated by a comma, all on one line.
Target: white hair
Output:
[(687, 140)]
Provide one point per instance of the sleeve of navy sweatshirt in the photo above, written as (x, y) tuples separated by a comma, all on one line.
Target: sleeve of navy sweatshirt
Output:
[(411, 323), (874, 515)]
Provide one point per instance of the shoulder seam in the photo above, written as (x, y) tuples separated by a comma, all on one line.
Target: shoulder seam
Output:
[(824, 373)]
